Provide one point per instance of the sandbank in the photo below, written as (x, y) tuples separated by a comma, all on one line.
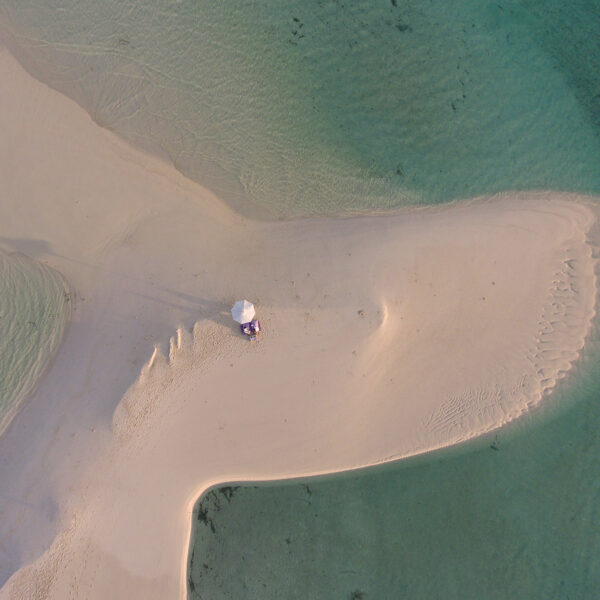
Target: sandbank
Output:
[(384, 336)]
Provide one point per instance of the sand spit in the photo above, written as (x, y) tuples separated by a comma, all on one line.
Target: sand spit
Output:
[(384, 336)]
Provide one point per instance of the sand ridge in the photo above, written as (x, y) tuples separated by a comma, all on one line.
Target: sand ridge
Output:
[(384, 336), (215, 408)]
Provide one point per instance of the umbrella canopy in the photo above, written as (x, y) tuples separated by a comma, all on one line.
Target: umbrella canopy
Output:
[(242, 311)]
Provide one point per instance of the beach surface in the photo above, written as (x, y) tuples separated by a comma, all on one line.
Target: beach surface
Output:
[(384, 336)]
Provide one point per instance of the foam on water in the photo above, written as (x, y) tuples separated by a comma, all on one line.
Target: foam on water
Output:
[(34, 312), (297, 107)]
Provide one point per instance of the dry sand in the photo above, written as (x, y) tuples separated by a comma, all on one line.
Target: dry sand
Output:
[(385, 336)]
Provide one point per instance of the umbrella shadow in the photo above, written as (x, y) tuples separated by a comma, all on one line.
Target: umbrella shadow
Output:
[(29, 246), (197, 307)]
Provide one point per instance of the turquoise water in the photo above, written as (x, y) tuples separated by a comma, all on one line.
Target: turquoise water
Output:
[(34, 312), (293, 107), (514, 515)]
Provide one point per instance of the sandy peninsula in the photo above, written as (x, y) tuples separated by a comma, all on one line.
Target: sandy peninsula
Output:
[(384, 336)]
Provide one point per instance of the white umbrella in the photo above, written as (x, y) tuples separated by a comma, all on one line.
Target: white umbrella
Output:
[(242, 311)]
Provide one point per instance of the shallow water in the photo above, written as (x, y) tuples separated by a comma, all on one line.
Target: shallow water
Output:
[(292, 107), (295, 107), (34, 312), (514, 515)]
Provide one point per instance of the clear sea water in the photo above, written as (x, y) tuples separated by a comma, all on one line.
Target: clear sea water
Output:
[(288, 107), (34, 312), (515, 515), (302, 106)]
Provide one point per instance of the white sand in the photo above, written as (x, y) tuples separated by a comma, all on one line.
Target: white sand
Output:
[(467, 314)]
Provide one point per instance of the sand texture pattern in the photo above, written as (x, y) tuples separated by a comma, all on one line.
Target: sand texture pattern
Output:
[(384, 336)]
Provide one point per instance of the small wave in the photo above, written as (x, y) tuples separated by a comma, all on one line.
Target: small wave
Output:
[(34, 312)]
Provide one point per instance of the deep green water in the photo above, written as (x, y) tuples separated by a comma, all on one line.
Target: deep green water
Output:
[(299, 106), (518, 520), (314, 106)]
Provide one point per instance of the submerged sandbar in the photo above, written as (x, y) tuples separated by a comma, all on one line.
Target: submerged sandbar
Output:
[(384, 336)]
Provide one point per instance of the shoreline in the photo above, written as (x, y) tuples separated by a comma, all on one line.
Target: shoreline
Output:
[(541, 410), (30, 272), (340, 147), (148, 253)]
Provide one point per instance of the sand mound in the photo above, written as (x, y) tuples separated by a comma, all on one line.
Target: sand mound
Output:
[(384, 336), (441, 327)]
